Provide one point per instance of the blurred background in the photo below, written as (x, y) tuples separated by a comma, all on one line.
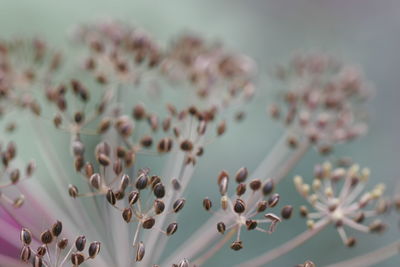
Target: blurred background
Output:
[(365, 32)]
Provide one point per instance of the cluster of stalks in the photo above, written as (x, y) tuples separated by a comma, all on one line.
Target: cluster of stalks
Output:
[(122, 97)]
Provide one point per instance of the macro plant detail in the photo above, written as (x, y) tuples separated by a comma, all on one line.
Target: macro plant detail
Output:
[(136, 116)]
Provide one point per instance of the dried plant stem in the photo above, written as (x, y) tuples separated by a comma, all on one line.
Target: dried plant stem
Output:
[(281, 158), (286, 247), (371, 258), (211, 252)]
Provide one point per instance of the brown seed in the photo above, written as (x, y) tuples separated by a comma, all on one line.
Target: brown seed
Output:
[(14, 176), (165, 145), (141, 182), (286, 212), (111, 197), (223, 180), (251, 224), (207, 204), (104, 125), (103, 159), (56, 229), (62, 244), (117, 167), (140, 251), (359, 217), (94, 249), (175, 184), (159, 190), (148, 223), (30, 168), (80, 243), (138, 112), (95, 181), (255, 184), (187, 145), (262, 206), (41, 251), (25, 253), (377, 226), (171, 229), (350, 242), (127, 215), (303, 211), (124, 182), (268, 187), (46, 237), (240, 189), (159, 206), (221, 128), (221, 227), (178, 205), (89, 169), (37, 261), (77, 258), (241, 175), (26, 237), (237, 245), (133, 197), (273, 200), (239, 206), (73, 191)]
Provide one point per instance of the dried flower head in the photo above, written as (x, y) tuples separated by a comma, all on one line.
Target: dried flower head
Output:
[(53, 251), (238, 207), (322, 101), (337, 196)]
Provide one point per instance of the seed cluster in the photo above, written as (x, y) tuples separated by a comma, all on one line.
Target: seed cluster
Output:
[(322, 100), (11, 175), (54, 250), (342, 206), (245, 216)]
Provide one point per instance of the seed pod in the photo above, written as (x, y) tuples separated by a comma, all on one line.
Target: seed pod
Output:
[(117, 166), (350, 242), (183, 263), (103, 159), (124, 182), (273, 200), (186, 145), (77, 258), (251, 224), (221, 227), (175, 184), (111, 197), (94, 249), (171, 229), (104, 125), (207, 204), (62, 244), (241, 175), (286, 212), (37, 261), (268, 187), (46, 237), (89, 170), (141, 181), (26, 237), (221, 128), (223, 179), (240, 189), (262, 206), (95, 181), (56, 229), (149, 223), (237, 245), (140, 251), (25, 253), (73, 191), (138, 112), (239, 206), (80, 243), (255, 184), (159, 206), (127, 215), (41, 251), (165, 145), (146, 141), (159, 190), (133, 197), (178, 205)]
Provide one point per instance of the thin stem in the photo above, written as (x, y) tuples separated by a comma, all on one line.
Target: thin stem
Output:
[(211, 252), (286, 247), (371, 258)]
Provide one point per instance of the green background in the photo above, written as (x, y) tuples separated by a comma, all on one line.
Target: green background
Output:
[(366, 32)]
